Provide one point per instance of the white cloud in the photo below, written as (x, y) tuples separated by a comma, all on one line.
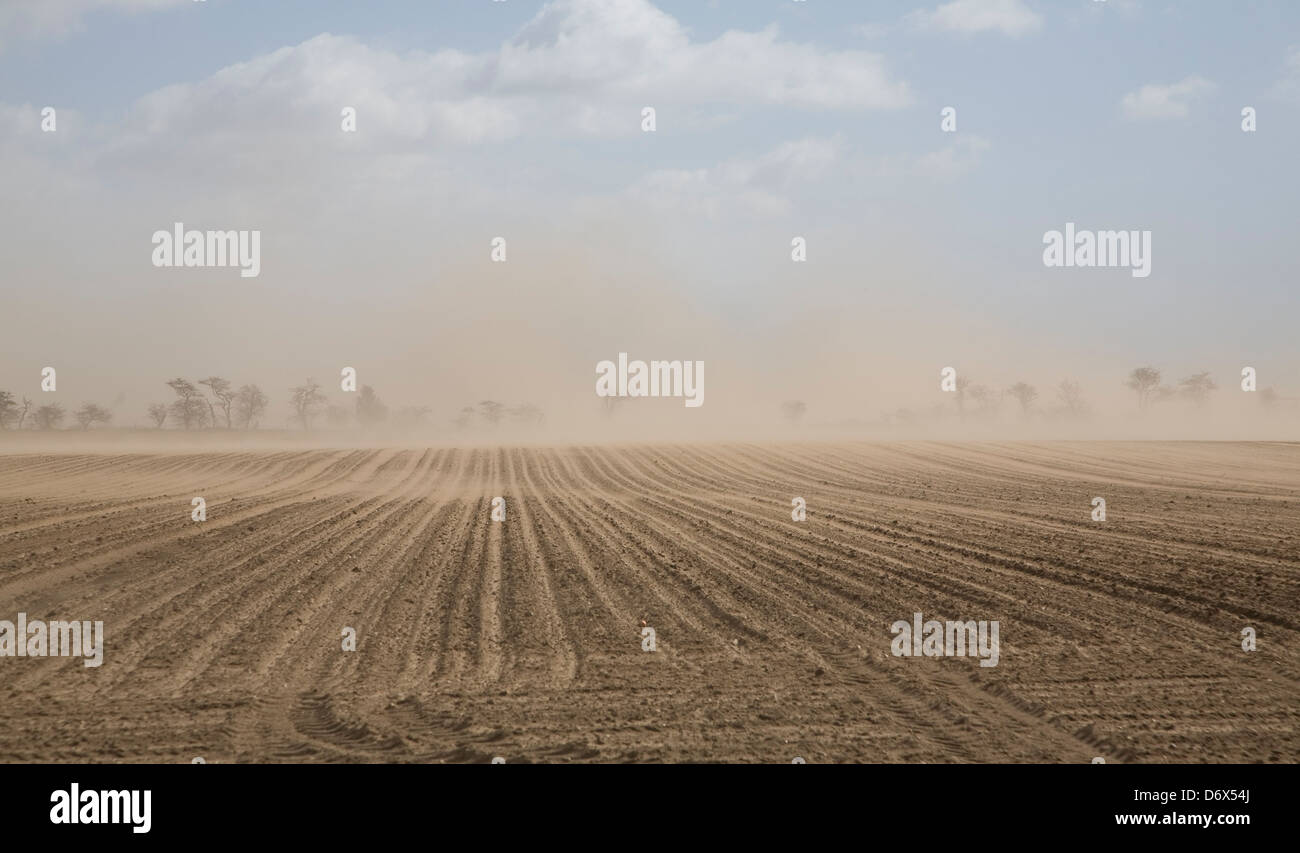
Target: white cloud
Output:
[(432, 124), (771, 183), (45, 18), (579, 67), (1288, 88), (955, 159), (1155, 101), (1010, 17), (629, 48), (755, 185)]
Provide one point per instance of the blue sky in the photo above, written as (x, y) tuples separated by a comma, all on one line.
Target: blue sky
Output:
[(774, 118)]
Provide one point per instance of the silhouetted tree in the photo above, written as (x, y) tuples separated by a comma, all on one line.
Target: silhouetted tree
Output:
[(190, 408), (158, 414), (1072, 397), (1197, 387), (307, 402), (220, 389), (48, 417), (370, 410), (250, 403), (1144, 380), (1025, 394), (985, 400), (8, 409), (92, 413), (491, 411), (22, 412)]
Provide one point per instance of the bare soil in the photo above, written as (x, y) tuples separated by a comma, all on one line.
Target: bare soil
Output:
[(521, 639)]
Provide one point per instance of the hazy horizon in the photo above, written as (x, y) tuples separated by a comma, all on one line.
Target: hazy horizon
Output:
[(523, 120)]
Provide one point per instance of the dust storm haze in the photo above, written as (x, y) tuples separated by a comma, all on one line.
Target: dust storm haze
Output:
[(984, 328), (923, 241), (446, 328)]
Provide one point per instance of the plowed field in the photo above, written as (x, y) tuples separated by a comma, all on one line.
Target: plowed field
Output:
[(522, 638)]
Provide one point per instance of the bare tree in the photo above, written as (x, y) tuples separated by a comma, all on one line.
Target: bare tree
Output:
[(48, 417), (158, 414), (794, 410), (22, 413), (1070, 394), (8, 409), (190, 408), (220, 389), (492, 411), (92, 413), (1144, 380), (1025, 394), (307, 402), (1197, 387), (370, 410), (985, 400), (250, 403)]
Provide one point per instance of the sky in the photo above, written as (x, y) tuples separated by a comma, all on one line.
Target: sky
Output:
[(477, 119)]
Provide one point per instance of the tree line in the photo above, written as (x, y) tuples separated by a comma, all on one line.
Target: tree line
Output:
[(215, 403), (212, 402), (16, 414)]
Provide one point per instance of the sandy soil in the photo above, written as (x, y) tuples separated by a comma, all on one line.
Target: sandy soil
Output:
[(521, 639)]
